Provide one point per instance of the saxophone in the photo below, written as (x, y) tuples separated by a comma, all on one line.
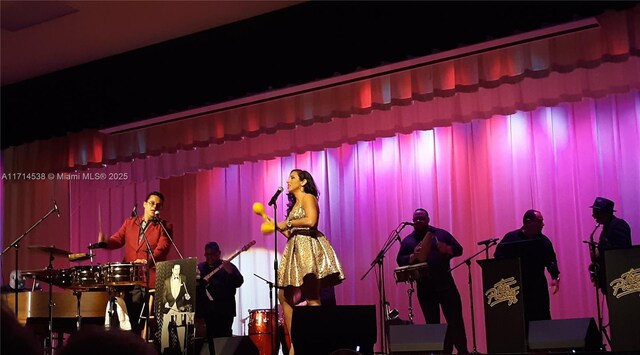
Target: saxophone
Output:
[(594, 266)]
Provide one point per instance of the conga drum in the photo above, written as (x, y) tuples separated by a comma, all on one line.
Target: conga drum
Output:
[(262, 326)]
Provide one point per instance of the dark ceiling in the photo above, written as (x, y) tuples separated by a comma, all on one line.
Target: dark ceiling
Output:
[(295, 45)]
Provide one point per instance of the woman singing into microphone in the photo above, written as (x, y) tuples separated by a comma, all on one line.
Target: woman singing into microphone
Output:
[(309, 263)]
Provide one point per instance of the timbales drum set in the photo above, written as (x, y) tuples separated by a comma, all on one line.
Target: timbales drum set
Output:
[(88, 277), (112, 277)]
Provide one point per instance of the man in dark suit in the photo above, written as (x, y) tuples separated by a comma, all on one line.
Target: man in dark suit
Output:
[(176, 295)]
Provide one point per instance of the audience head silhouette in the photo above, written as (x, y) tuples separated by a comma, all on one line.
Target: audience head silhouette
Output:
[(95, 340)]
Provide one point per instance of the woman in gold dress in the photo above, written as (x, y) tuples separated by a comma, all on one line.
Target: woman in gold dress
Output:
[(309, 263)]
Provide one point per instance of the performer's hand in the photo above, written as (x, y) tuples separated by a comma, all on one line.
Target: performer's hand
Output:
[(282, 226), (166, 305), (279, 226), (101, 237), (140, 261), (187, 297), (555, 286), (443, 248), (226, 265)]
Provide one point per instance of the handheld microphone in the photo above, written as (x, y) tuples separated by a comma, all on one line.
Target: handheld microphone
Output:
[(488, 241), (408, 224), (55, 207), (134, 212), (275, 196), (99, 245)]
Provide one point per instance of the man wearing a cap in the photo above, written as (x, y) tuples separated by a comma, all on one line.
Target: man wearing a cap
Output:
[(616, 233)]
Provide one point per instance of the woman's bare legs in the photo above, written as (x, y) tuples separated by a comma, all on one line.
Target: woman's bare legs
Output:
[(287, 298), (290, 296)]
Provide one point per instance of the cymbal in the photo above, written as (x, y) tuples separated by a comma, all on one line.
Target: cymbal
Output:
[(50, 249)]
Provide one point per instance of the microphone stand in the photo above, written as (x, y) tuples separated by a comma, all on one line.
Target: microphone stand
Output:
[(170, 238), (468, 263), (271, 286), (275, 339), (148, 277), (16, 244), (379, 261)]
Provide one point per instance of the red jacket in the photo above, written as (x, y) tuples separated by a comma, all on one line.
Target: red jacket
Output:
[(127, 236)]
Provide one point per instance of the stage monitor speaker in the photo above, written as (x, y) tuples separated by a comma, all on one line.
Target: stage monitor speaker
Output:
[(416, 338), (235, 345), (564, 334), (322, 330), (198, 346)]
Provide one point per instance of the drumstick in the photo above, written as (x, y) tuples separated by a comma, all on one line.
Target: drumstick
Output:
[(99, 219), (184, 284)]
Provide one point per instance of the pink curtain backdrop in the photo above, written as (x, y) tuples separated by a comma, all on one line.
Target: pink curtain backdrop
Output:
[(476, 179), (493, 78)]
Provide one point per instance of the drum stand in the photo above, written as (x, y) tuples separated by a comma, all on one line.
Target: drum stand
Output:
[(410, 274), (112, 305), (78, 294), (410, 292), (48, 342)]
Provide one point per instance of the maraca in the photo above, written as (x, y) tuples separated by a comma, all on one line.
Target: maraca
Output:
[(266, 227), (258, 208)]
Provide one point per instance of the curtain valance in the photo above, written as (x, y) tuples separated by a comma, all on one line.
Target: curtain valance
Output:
[(590, 63)]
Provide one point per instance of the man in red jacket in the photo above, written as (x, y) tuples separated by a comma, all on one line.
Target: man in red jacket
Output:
[(131, 236)]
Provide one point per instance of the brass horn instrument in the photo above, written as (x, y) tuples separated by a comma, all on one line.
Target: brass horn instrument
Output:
[(593, 251)]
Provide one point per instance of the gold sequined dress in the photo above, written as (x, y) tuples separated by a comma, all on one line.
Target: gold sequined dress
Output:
[(308, 251)]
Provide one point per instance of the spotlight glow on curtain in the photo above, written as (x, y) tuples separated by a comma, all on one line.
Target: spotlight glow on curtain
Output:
[(475, 179)]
